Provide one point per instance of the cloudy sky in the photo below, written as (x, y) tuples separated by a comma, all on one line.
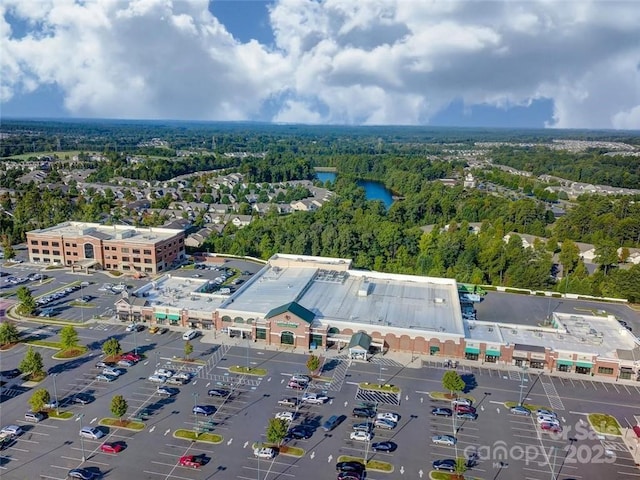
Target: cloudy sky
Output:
[(471, 63)]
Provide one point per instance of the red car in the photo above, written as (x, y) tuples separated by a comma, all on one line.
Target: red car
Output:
[(551, 427), (111, 447), (193, 461), (132, 357), (465, 409)]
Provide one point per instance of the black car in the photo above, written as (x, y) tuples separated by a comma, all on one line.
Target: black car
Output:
[(448, 464), (217, 392), (82, 474), (11, 373), (82, 398), (443, 412), (384, 446), (355, 467), (364, 412), (300, 432)]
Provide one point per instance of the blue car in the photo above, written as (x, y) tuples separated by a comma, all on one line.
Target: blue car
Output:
[(204, 410)]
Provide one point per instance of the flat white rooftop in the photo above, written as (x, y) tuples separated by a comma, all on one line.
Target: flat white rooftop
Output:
[(354, 296), (120, 233), (178, 293)]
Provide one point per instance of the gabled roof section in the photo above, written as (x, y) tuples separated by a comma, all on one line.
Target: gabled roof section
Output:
[(294, 308), (361, 340)]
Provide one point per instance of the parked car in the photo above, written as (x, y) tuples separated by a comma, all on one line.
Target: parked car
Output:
[(448, 440), (264, 452), (182, 375), (34, 417), (164, 372), (360, 436), (134, 327), (300, 432), (125, 363), (465, 409), (551, 427), (82, 398), (547, 419), (350, 476), (331, 423), (217, 392), (298, 377), (362, 427), (157, 378), (14, 430), (111, 447), (175, 381), (13, 373), (133, 357), (288, 402), (448, 464), (82, 474), (393, 417), (351, 466), (167, 391), (91, 432), (364, 412), (442, 412), (297, 385), (189, 335), (52, 404), (204, 410), (6, 441), (193, 461), (102, 364), (103, 377), (314, 398), (155, 329), (520, 410), (116, 372), (462, 401), (467, 416), (385, 446), (286, 416), (545, 412), (385, 424)]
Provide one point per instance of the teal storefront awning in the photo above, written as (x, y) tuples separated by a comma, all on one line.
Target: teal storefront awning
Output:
[(492, 353), (584, 364), (473, 350), (434, 349), (161, 316), (567, 363), (173, 317)]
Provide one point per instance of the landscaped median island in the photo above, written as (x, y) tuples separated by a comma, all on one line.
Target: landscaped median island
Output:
[(435, 475), (604, 424), (60, 416), (124, 424), (200, 437), (530, 406), (447, 397), (373, 465), (378, 387), (258, 372), (286, 450)]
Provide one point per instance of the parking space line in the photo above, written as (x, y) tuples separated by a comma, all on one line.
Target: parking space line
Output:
[(167, 475)]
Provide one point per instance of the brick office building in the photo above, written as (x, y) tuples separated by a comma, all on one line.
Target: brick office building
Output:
[(114, 247)]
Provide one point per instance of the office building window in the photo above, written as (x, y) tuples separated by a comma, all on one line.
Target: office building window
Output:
[(35, 250), (34, 242), (136, 251), (45, 243), (56, 252), (55, 244), (45, 252), (125, 250), (605, 370), (147, 252)]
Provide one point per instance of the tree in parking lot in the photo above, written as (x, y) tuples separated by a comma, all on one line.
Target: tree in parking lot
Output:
[(452, 381), (27, 302), (111, 347), (119, 406), (277, 430), (8, 333), (38, 400), (313, 363), (68, 337), (461, 467), (188, 350), (32, 363)]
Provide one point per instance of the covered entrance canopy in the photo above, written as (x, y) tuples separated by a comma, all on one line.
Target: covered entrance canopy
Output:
[(359, 346)]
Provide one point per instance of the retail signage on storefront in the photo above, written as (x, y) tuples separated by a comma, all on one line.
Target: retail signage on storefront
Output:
[(288, 324)]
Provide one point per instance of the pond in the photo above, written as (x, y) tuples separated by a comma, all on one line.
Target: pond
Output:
[(373, 190)]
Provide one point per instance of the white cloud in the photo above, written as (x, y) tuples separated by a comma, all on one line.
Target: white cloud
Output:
[(333, 61)]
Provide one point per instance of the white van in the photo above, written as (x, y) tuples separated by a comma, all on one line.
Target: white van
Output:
[(189, 334)]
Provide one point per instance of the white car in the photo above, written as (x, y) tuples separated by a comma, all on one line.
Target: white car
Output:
[(546, 412), (288, 416), (394, 417), (11, 430), (548, 419), (116, 372), (157, 378), (164, 372), (360, 436), (131, 327), (298, 377), (51, 405), (182, 375), (314, 398), (462, 401), (444, 440), (91, 432), (189, 334), (264, 452)]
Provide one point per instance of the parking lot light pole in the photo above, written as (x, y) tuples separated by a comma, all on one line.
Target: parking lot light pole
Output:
[(135, 340), (195, 413), (55, 393), (81, 438), (524, 370)]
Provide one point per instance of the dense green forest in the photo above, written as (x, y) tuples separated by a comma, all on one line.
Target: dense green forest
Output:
[(592, 166), (409, 161)]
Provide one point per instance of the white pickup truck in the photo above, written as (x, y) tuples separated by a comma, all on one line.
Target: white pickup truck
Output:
[(288, 402)]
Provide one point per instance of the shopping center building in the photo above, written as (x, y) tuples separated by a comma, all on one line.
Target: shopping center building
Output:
[(317, 303)]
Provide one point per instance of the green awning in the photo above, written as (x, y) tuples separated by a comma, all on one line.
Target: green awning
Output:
[(173, 317), (568, 363), (473, 350), (160, 316), (492, 353), (434, 349), (584, 364)]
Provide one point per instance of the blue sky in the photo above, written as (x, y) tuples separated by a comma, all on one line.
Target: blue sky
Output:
[(454, 63)]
